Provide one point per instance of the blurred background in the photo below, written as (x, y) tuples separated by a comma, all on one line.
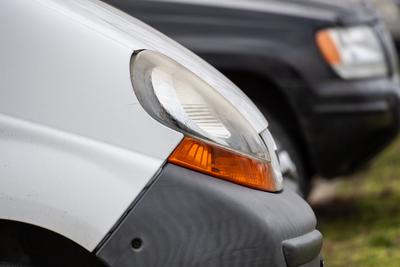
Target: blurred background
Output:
[(360, 214)]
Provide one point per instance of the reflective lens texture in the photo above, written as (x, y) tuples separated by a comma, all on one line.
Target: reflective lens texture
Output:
[(179, 99), (226, 164)]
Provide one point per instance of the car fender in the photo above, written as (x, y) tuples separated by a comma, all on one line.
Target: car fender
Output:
[(76, 147), (67, 183)]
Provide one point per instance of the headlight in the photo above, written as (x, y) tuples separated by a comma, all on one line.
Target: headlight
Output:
[(218, 140), (353, 52)]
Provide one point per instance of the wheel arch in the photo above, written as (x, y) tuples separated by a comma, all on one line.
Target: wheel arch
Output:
[(25, 243)]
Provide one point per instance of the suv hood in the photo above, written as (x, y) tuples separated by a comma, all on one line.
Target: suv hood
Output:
[(347, 11), (339, 11)]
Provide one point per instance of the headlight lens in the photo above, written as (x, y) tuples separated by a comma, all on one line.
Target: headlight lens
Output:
[(181, 100), (353, 52)]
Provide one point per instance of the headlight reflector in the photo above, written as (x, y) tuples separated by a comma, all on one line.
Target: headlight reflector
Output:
[(353, 52), (181, 100)]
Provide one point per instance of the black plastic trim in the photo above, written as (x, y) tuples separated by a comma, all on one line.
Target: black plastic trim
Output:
[(303, 249), (194, 220)]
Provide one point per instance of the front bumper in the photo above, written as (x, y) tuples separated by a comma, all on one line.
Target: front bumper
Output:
[(350, 122), (190, 219)]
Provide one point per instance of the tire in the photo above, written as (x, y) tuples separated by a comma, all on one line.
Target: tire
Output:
[(292, 164)]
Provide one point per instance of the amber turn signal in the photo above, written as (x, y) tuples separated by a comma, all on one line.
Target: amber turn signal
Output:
[(328, 47), (225, 164)]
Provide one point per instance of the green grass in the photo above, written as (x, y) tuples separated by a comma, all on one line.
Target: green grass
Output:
[(361, 224)]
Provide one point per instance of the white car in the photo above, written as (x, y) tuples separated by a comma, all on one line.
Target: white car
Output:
[(118, 147)]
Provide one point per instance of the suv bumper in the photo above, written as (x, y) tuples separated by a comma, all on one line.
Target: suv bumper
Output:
[(190, 219), (351, 122)]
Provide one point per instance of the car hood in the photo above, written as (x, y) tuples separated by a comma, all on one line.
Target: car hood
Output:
[(348, 11), (339, 11), (338, 5), (136, 35)]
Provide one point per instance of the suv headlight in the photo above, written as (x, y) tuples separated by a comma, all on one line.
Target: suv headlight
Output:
[(353, 52), (218, 140)]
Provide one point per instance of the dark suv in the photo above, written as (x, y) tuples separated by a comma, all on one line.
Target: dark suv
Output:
[(324, 73)]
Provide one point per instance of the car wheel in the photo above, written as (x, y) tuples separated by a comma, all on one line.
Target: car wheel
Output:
[(292, 166)]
